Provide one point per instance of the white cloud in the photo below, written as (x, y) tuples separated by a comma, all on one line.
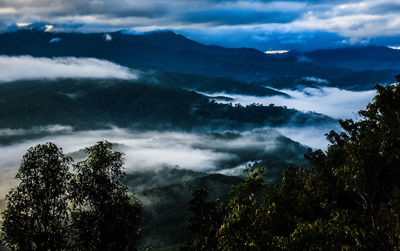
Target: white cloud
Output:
[(36, 130), (55, 40), (107, 37), (48, 28), (312, 136), (7, 10), (27, 67), (316, 80), (276, 52), (334, 102), (148, 150), (358, 20), (144, 149)]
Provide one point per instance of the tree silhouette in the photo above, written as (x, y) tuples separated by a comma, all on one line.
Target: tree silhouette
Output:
[(105, 215), (53, 209), (348, 200), (36, 217)]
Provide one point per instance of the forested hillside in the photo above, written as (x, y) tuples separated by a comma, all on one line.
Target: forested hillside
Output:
[(347, 199), (168, 51), (94, 104)]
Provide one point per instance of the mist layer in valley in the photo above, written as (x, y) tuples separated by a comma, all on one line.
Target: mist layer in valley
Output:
[(331, 101), (152, 150), (157, 121), (173, 136)]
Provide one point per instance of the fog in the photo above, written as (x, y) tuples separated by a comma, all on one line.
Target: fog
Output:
[(331, 101), (27, 67), (312, 136), (50, 129), (147, 150)]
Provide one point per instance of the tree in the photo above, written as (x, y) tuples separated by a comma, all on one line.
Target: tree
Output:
[(206, 219), (362, 163), (36, 217), (248, 221), (349, 199), (105, 215)]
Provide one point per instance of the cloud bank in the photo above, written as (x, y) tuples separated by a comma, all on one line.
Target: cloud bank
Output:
[(334, 102), (313, 136), (251, 23), (27, 67), (206, 152), (202, 152)]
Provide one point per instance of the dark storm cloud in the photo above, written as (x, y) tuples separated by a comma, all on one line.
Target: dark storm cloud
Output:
[(234, 17), (346, 21), (174, 11), (64, 8)]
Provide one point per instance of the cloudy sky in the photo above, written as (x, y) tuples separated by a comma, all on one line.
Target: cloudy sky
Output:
[(263, 24)]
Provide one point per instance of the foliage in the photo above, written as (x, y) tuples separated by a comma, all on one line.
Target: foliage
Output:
[(105, 216), (247, 224), (349, 199), (94, 104), (166, 194), (36, 217), (205, 221), (53, 209)]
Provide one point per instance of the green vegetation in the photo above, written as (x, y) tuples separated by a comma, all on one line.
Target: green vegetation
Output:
[(96, 104), (53, 209), (36, 217), (104, 215), (165, 201), (349, 199)]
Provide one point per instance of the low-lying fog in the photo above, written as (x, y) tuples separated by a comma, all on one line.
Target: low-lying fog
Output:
[(196, 151), (312, 136), (206, 152), (331, 101)]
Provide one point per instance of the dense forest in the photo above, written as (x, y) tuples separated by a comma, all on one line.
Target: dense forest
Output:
[(349, 198), (88, 104)]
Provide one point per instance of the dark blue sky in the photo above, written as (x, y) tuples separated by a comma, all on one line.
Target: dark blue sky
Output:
[(261, 24)]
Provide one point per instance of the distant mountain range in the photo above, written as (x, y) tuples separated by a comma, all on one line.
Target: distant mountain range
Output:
[(167, 51), (356, 58)]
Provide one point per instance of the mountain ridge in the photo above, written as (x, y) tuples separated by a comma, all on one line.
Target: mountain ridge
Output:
[(168, 51), (356, 58)]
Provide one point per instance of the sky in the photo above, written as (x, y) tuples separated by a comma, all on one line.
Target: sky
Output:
[(261, 24)]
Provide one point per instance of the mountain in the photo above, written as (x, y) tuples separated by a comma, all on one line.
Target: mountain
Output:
[(206, 84), (357, 58), (168, 51), (95, 104)]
